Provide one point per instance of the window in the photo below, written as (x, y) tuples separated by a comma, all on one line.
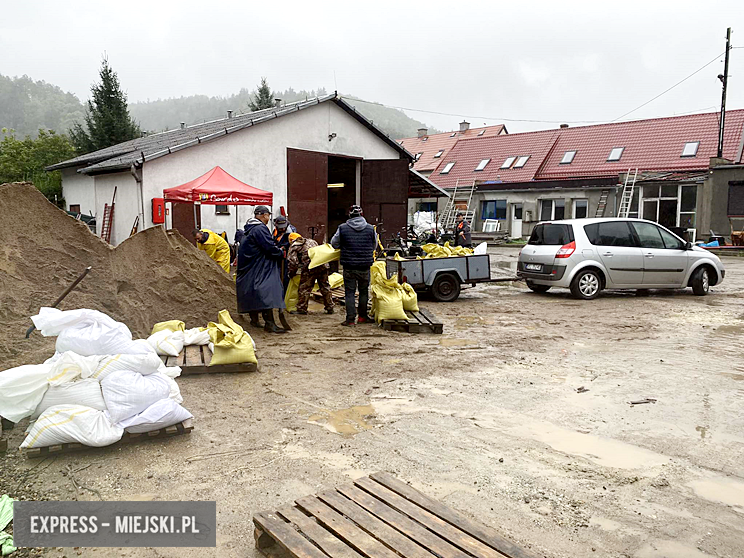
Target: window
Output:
[(580, 209), (447, 168), (610, 233), (493, 209), (439, 154), (481, 132), (417, 157), (75, 208), (482, 164), (222, 209), (688, 204), (517, 211), (522, 161), (549, 234), (427, 206), (616, 153), (690, 149), (649, 235), (509, 162), (453, 134), (568, 157), (671, 242), (670, 205), (552, 210)]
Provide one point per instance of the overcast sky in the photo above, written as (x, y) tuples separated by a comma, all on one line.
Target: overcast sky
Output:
[(551, 61)]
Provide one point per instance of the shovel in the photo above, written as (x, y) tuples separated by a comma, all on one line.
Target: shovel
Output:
[(30, 330)]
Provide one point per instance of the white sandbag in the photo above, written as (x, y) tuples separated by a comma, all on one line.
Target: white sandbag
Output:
[(144, 364), (175, 391), (170, 371), (65, 424), (22, 389), (69, 366), (160, 414), (128, 393), (86, 332), (83, 392), (167, 343), (481, 249), (196, 336)]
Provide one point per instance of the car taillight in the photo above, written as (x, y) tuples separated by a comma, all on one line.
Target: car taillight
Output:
[(566, 250)]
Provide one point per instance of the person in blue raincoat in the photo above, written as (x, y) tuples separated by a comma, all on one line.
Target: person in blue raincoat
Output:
[(258, 283)]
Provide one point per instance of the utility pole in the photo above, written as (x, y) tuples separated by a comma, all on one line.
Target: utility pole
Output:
[(724, 79)]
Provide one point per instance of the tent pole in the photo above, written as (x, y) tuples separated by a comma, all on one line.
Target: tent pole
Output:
[(196, 225), (236, 218)]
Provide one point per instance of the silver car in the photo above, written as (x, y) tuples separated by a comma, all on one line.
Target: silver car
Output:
[(588, 255)]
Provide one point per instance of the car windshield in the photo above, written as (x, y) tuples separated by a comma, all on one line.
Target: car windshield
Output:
[(549, 234)]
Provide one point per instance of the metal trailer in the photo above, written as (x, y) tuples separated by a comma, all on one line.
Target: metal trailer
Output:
[(443, 276)]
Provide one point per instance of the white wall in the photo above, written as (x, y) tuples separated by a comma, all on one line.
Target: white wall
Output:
[(78, 189), (126, 208), (258, 156)]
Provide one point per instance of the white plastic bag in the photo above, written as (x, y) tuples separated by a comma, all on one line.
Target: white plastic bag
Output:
[(83, 392), (170, 371), (65, 424), (481, 249), (195, 336), (167, 343), (22, 389), (144, 364), (69, 366), (160, 414), (128, 393), (86, 332), (175, 391)]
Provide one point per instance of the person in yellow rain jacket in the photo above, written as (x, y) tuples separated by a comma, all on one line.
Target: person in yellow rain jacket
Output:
[(215, 247)]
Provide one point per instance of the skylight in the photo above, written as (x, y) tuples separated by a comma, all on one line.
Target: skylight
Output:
[(417, 157), (690, 149), (481, 132), (522, 161), (508, 163), (453, 134), (616, 153), (482, 164), (439, 154), (568, 157), (447, 168)]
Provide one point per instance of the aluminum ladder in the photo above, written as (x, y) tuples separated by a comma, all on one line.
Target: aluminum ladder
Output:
[(108, 219), (602, 203), (626, 200), (461, 198)]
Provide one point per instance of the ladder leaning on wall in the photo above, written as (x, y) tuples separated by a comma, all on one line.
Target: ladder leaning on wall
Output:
[(460, 200), (108, 219), (626, 199)]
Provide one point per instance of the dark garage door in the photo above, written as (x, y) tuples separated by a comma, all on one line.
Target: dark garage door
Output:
[(385, 193), (307, 192)]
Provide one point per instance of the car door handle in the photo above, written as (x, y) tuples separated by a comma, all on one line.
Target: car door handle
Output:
[(609, 254), (649, 255)]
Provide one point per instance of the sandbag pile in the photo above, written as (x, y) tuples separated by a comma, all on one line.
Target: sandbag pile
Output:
[(390, 299), (99, 384), (446, 251)]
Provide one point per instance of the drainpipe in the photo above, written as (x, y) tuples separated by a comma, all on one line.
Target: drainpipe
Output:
[(137, 174)]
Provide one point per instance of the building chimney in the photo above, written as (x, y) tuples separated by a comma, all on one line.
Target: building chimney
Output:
[(422, 132), (564, 125), (143, 133), (183, 125), (229, 114), (464, 126), (277, 103)]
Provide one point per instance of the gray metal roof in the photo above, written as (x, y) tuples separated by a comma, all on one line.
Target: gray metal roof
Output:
[(137, 151)]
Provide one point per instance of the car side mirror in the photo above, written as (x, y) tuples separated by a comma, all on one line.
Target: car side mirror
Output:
[(688, 245)]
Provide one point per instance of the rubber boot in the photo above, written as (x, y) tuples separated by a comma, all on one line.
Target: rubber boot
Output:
[(270, 324), (254, 318)]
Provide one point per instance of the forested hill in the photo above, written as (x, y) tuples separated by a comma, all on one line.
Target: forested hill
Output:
[(27, 105)]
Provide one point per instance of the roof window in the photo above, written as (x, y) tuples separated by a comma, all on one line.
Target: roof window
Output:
[(439, 154), (522, 161), (616, 153), (453, 134), (417, 156), (447, 168), (568, 157), (482, 164), (483, 131), (690, 149), (508, 163)]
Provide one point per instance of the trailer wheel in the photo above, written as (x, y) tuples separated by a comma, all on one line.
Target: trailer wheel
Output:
[(446, 287)]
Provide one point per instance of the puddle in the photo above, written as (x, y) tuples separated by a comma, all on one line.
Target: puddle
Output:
[(346, 422), (603, 451), (737, 377), (720, 489), (452, 342), (670, 549), (605, 524), (468, 321)]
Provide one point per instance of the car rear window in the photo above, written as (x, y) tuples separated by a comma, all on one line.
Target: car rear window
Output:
[(549, 234)]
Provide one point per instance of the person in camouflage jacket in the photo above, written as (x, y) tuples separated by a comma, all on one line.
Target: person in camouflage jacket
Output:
[(299, 259)]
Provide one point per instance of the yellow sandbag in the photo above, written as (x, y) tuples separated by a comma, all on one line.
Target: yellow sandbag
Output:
[(293, 294), (389, 304), (232, 345), (377, 272), (334, 279), (322, 254), (171, 325), (410, 298)]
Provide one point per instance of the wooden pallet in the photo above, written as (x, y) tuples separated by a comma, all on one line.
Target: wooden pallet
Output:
[(184, 427), (378, 517), (195, 359), (338, 295), (422, 321)]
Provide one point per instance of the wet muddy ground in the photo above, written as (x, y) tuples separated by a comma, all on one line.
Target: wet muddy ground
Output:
[(488, 417)]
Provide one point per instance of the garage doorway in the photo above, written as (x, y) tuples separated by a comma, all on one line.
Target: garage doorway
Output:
[(182, 219), (342, 188)]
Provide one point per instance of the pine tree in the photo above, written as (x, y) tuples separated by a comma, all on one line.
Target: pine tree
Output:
[(107, 120), (264, 98)]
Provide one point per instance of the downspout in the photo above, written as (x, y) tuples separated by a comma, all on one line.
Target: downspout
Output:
[(137, 174)]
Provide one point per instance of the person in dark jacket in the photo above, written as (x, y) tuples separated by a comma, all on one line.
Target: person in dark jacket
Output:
[(462, 232), (281, 237), (357, 240), (258, 283)]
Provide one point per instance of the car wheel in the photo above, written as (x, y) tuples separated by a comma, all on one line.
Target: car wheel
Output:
[(446, 287), (701, 281), (535, 288), (586, 285)]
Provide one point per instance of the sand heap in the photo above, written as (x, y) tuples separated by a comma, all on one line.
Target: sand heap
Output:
[(155, 275)]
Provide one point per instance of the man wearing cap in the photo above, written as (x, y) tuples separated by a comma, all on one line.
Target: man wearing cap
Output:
[(258, 284), (462, 232), (357, 240), (281, 234), (215, 247), (299, 259)]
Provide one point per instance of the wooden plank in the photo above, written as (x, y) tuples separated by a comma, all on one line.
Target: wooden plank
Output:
[(429, 316), (289, 539), (345, 529), (388, 525), (192, 356), (335, 548), (483, 533), (206, 354), (454, 535), (3, 446)]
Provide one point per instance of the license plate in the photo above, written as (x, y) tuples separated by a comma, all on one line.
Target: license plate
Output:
[(533, 267)]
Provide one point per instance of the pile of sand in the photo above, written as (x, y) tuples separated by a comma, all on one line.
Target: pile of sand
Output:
[(153, 276)]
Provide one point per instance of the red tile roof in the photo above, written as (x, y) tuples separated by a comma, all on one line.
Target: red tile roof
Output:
[(433, 143), (650, 145)]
